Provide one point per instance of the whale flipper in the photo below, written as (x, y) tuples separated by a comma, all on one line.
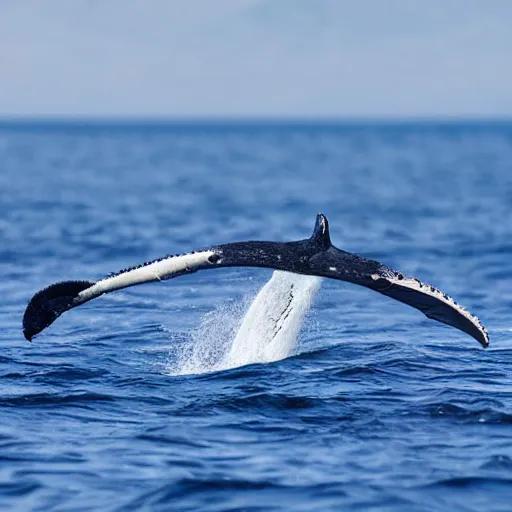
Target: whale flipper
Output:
[(313, 256)]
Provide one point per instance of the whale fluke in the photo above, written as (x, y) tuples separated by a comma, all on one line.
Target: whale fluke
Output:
[(313, 256)]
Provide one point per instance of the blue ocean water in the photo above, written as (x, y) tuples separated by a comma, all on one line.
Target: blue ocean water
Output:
[(378, 408)]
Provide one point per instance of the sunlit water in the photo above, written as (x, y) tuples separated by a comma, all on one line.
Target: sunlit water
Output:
[(232, 389)]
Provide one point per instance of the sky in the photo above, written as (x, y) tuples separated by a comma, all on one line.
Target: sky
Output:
[(256, 58)]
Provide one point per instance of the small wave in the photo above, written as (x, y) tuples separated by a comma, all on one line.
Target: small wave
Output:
[(19, 488), (48, 399), (188, 486), (498, 462), (265, 401), (67, 373), (471, 481), (484, 415)]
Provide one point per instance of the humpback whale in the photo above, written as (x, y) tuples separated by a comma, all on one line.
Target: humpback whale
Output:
[(312, 256)]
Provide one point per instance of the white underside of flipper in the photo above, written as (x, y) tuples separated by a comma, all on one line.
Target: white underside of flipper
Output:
[(161, 270), (431, 291)]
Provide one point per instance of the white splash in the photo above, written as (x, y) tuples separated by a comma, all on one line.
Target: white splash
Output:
[(270, 328), (265, 331)]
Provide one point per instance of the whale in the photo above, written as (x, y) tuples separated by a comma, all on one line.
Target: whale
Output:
[(315, 256)]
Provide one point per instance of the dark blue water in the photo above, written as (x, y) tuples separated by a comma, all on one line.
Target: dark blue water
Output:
[(379, 408)]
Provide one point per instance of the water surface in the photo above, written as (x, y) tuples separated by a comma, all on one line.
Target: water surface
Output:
[(379, 408)]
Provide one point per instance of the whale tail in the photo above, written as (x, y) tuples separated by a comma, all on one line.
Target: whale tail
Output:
[(48, 304)]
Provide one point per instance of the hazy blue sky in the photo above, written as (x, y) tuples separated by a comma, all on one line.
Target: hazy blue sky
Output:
[(256, 57)]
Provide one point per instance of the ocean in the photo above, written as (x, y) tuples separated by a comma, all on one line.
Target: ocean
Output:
[(177, 396)]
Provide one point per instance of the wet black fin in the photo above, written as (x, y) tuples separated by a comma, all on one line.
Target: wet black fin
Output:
[(48, 304), (321, 234)]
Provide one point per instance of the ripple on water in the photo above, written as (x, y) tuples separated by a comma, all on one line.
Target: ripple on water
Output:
[(372, 407)]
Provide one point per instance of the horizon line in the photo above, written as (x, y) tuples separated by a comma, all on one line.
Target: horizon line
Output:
[(252, 120)]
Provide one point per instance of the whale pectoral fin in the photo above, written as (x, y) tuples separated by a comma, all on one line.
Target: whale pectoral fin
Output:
[(433, 303), (48, 304)]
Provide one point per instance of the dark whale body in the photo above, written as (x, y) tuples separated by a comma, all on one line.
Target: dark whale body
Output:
[(313, 256)]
